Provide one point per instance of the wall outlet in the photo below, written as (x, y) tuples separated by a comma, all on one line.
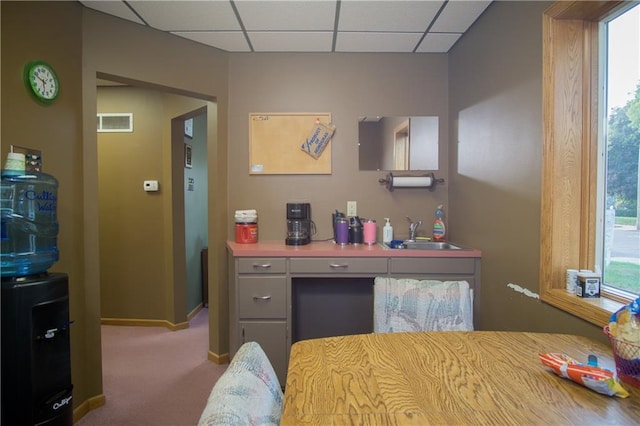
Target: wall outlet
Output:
[(352, 208)]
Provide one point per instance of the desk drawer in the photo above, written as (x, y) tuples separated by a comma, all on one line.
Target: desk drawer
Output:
[(432, 265), (261, 265), (262, 297), (338, 265)]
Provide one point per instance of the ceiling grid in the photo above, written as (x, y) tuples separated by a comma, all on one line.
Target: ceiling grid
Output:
[(384, 26)]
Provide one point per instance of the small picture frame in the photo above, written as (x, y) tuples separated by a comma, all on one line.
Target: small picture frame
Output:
[(187, 156), (188, 128)]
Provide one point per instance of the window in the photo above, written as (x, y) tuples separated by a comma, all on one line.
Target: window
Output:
[(618, 240), (572, 74)]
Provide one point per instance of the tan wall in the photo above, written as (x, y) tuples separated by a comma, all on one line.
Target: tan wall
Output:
[(347, 86), (131, 221), (52, 32), (496, 141), (150, 58)]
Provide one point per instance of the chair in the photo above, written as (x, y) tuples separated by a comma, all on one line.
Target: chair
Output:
[(427, 305), (247, 393)]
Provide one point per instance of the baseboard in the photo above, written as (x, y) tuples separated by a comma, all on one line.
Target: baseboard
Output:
[(194, 312), (218, 359), (88, 405), (144, 323), (152, 323)]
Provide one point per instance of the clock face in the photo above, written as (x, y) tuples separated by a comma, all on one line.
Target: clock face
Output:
[(42, 80)]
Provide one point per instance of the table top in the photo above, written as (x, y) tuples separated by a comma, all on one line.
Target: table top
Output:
[(330, 249), (446, 378)]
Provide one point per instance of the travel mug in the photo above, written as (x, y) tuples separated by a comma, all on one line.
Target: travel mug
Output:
[(355, 234), (342, 231), (370, 232)]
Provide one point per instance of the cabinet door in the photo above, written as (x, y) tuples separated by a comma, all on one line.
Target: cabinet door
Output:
[(272, 336)]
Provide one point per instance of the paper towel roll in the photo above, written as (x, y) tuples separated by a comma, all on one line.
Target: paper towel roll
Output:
[(412, 181)]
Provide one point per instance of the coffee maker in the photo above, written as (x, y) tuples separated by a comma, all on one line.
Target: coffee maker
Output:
[(298, 224)]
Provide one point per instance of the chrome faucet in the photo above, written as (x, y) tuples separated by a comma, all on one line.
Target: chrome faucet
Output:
[(413, 227)]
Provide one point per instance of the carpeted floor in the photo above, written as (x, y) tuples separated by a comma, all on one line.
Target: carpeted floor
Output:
[(155, 377)]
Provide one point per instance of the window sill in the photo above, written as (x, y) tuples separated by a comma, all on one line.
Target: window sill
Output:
[(596, 310)]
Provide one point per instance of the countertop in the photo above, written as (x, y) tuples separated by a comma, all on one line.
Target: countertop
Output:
[(277, 248)]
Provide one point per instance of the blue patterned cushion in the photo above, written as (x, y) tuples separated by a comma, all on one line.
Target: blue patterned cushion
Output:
[(248, 393), (407, 304)]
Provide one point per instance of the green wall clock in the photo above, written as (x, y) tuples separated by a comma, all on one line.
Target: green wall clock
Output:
[(42, 81)]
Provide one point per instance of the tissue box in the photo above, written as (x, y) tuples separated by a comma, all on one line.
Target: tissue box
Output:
[(588, 284)]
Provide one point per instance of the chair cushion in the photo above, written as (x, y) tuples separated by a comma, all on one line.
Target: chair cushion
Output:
[(248, 393), (427, 305)]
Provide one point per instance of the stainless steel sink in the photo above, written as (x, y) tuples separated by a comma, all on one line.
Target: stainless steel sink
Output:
[(429, 245)]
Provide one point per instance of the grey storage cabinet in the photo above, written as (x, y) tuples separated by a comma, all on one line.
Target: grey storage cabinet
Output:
[(277, 301), (258, 308)]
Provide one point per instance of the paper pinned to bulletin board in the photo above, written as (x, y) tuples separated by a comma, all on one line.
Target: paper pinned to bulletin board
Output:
[(276, 143)]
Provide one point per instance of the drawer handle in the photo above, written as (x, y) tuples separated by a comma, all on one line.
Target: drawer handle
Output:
[(261, 297), (262, 265), (338, 265)]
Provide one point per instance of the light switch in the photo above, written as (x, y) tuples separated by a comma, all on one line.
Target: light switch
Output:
[(352, 208), (150, 185)]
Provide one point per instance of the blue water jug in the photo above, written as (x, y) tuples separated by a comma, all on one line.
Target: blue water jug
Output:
[(29, 223)]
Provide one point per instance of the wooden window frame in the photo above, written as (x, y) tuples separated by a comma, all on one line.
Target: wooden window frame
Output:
[(570, 76)]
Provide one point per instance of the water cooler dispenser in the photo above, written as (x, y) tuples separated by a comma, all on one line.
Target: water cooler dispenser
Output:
[(36, 362)]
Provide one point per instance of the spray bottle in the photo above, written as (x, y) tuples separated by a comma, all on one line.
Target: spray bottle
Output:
[(439, 229)]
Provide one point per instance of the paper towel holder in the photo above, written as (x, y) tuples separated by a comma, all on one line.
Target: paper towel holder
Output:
[(428, 181)]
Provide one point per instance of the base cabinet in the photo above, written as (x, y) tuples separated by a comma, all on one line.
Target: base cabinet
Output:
[(276, 301), (258, 308)]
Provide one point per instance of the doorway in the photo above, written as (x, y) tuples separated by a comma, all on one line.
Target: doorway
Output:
[(143, 239), (195, 206)]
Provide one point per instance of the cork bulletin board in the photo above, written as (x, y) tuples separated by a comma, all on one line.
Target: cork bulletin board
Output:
[(276, 140)]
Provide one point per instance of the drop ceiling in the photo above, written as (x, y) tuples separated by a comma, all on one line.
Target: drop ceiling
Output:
[(413, 26)]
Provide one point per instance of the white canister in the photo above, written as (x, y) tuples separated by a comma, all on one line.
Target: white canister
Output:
[(246, 216), (572, 279)]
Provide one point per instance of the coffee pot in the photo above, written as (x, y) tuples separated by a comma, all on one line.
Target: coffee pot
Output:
[(298, 224)]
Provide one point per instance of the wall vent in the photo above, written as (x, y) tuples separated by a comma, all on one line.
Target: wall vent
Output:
[(115, 122)]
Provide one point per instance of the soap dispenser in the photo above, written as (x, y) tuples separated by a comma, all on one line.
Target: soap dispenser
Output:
[(439, 229), (387, 231)]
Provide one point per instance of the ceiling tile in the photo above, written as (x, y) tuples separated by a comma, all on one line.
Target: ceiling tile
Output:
[(376, 42), (115, 8), (438, 42), (458, 15), (187, 15), (306, 25), (395, 16), (309, 41), (232, 41), (287, 15)]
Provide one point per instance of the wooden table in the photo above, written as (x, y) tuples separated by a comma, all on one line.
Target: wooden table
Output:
[(446, 378)]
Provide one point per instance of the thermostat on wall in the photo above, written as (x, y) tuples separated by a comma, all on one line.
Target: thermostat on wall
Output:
[(150, 185)]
